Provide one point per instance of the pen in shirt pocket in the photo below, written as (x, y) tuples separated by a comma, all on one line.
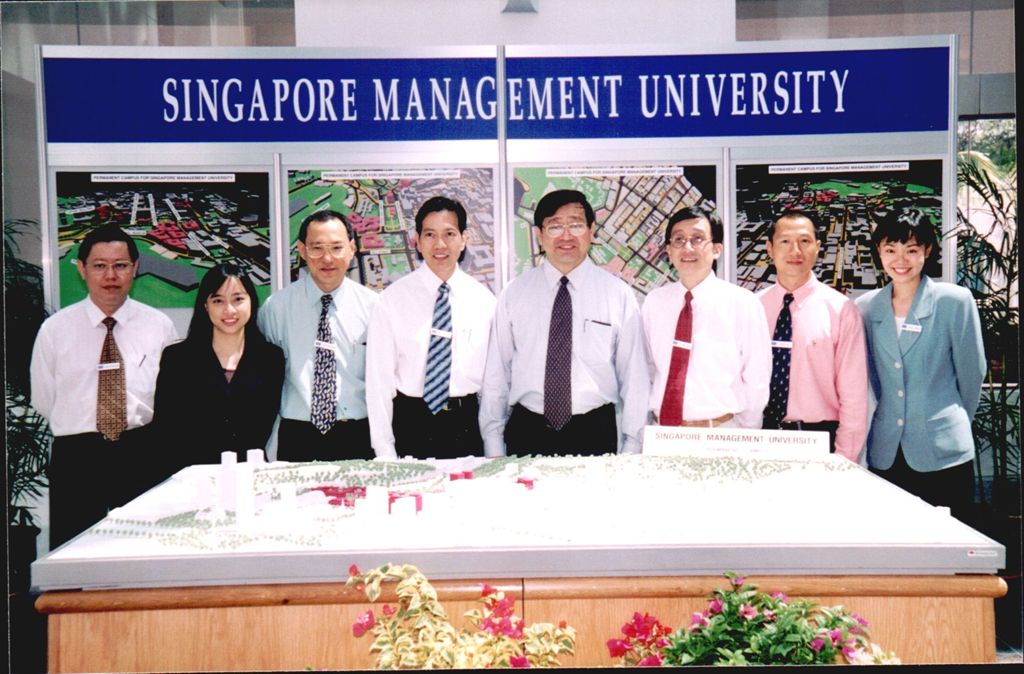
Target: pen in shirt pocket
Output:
[(143, 359), (594, 320)]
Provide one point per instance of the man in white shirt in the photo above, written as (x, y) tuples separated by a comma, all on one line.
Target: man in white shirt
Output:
[(93, 371), (566, 372), (707, 339), (320, 323), (426, 347)]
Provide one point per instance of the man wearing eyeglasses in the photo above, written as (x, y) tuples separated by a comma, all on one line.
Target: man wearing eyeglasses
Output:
[(93, 372), (566, 372), (820, 381), (320, 322), (707, 339), (427, 345)]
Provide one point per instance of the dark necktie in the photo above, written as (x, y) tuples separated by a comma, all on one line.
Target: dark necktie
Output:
[(558, 370), (439, 354), (675, 387), (111, 401), (324, 405), (782, 347)]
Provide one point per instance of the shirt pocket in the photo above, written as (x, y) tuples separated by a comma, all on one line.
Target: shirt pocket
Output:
[(357, 360), (598, 341)]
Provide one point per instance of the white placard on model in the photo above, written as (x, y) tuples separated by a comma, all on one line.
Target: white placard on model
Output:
[(680, 440)]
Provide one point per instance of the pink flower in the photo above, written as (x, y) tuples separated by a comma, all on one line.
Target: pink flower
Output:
[(836, 636), (698, 620), (387, 609), (353, 570), (518, 661), (738, 580), (715, 606), (650, 661), (781, 596), (748, 612), (562, 624), (768, 614), (618, 647), (817, 644), (363, 624), (487, 590), (850, 650)]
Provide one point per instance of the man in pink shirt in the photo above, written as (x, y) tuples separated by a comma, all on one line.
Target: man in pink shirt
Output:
[(819, 375)]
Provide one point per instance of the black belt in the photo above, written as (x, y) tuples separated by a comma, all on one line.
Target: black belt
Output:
[(454, 403), (830, 426)]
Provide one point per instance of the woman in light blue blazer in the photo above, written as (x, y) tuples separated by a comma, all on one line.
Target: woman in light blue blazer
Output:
[(926, 364)]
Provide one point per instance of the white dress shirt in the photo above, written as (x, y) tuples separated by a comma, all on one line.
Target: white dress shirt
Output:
[(290, 319), (67, 352), (730, 365), (399, 335), (608, 362)]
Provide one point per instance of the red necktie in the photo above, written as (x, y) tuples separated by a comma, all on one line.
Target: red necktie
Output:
[(672, 402)]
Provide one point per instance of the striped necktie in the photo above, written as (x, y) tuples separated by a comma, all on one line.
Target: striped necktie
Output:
[(439, 354)]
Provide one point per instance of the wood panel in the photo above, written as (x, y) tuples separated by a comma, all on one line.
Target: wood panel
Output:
[(294, 627)]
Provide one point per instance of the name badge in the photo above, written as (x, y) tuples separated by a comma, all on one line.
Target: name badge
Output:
[(325, 345), (910, 327), (680, 344), (108, 366), (781, 344), (443, 334)]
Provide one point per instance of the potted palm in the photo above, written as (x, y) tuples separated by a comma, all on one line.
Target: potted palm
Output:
[(988, 264), (27, 433)]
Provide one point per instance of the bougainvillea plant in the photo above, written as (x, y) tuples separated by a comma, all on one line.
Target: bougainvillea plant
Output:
[(742, 626), (416, 634)]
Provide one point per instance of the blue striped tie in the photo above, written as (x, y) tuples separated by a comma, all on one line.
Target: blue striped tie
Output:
[(439, 354)]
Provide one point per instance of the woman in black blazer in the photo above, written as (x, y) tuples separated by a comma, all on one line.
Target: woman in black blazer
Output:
[(220, 388)]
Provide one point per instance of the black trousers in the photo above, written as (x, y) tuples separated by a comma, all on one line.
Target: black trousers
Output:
[(301, 441), (90, 476), (449, 434), (952, 487), (587, 434)]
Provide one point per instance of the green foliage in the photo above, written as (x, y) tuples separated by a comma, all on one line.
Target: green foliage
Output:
[(27, 433), (742, 626), (417, 634)]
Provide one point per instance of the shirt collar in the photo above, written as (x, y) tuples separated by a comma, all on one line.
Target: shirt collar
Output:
[(576, 276), (801, 293), (313, 292), (96, 315), (705, 286), (432, 281)]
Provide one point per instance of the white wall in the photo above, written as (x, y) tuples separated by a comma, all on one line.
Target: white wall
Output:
[(394, 23)]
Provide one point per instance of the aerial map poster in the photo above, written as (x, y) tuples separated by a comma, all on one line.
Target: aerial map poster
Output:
[(631, 206), (182, 223), (381, 205), (847, 199)]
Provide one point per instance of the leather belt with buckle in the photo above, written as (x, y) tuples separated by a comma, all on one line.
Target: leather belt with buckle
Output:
[(708, 423)]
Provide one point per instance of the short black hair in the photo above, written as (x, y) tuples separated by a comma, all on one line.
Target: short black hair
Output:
[(325, 215), (436, 205), (701, 211), (200, 329), (552, 201), (793, 213), (106, 234), (902, 225)]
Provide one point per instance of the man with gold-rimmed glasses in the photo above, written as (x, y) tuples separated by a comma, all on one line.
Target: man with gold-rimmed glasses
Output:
[(94, 368), (320, 322), (707, 339), (565, 372)]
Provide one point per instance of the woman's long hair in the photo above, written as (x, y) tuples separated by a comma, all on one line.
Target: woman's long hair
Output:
[(200, 329)]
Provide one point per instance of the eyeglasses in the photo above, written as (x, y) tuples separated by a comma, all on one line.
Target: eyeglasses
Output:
[(694, 241), (336, 250), (101, 268), (558, 228)]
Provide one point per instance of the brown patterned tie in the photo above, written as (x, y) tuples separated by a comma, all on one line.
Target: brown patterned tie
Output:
[(111, 402)]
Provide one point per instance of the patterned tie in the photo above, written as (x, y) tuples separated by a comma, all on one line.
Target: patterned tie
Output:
[(323, 408), (779, 396), (111, 401), (439, 354), (558, 370), (675, 387)]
